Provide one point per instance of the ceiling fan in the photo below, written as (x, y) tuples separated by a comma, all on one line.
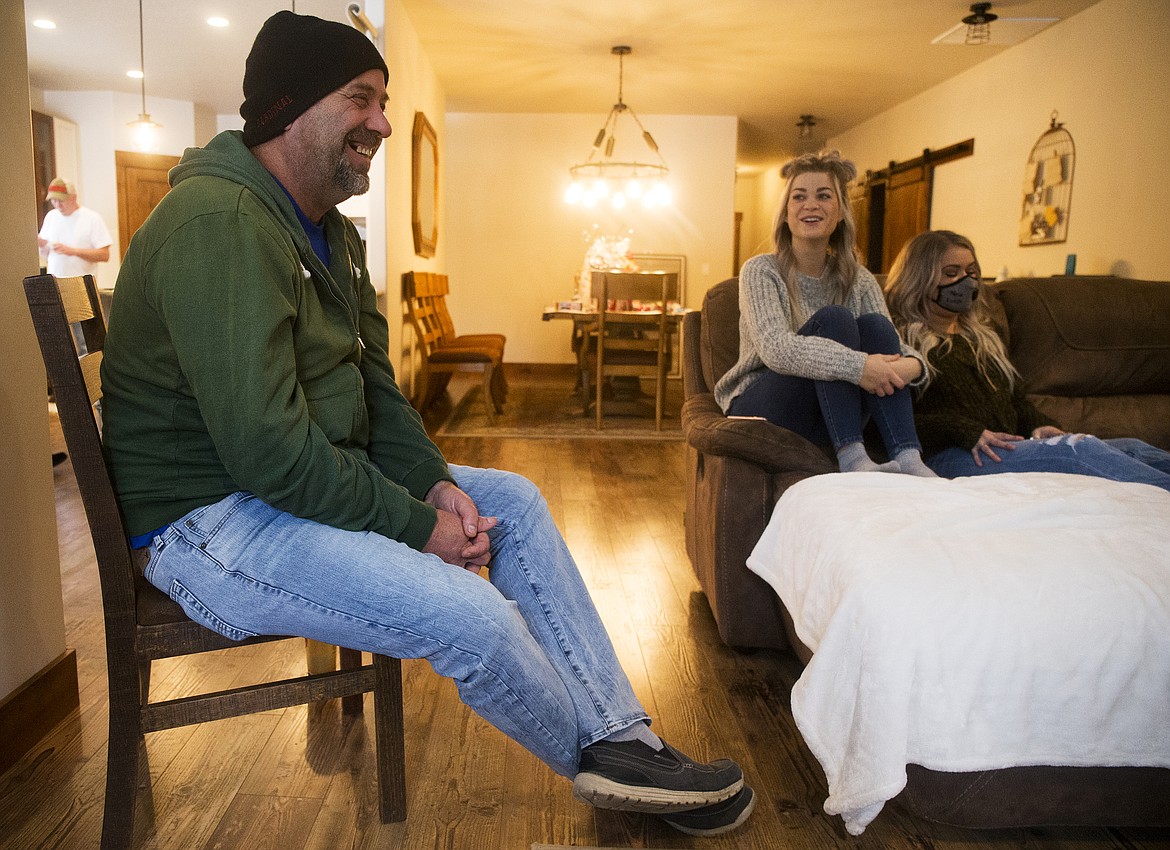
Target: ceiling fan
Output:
[(976, 28)]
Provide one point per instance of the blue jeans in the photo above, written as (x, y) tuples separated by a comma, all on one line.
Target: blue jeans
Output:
[(526, 648), (835, 411), (1123, 459)]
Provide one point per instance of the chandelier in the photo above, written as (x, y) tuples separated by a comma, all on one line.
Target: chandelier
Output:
[(602, 178)]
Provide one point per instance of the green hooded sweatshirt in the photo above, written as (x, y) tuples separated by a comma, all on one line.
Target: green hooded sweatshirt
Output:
[(236, 361)]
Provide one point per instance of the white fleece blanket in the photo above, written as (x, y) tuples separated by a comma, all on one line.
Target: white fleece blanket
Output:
[(979, 623)]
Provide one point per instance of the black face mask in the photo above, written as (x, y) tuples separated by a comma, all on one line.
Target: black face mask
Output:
[(958, 297)]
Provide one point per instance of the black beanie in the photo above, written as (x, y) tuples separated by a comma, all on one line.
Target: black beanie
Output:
[(295, 61)]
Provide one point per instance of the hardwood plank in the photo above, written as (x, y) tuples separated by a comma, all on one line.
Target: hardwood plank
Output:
[(192, 795), (265, 823)]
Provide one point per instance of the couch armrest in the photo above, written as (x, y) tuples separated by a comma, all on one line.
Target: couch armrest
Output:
[(772, 448)]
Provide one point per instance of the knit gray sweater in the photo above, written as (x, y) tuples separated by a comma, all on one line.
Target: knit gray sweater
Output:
[(767, 329)]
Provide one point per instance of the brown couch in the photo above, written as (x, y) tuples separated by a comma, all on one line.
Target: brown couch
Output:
[(1094, 353)]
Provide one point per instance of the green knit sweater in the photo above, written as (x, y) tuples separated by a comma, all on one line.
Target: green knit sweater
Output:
[(959, 403), (236, 360)]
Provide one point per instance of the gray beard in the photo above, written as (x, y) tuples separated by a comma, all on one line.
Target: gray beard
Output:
[(347, 180)]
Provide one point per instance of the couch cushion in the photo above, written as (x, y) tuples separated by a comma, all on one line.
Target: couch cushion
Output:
[(719, 342), (1089, 336)]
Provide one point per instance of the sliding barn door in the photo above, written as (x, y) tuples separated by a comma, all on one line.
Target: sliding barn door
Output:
[(907, 210), (892, 206)]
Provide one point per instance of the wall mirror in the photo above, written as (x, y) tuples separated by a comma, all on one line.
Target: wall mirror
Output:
[(424, 193)]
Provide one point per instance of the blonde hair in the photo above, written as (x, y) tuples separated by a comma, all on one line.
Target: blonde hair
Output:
[(842, 263), (910, 289)]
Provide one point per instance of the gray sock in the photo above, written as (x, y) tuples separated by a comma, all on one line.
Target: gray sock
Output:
[(910, 462), (640, 731), (852, 457)]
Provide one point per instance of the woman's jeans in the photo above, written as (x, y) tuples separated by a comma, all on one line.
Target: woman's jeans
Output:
[(835, 411), (1123, 459), (526, 648)]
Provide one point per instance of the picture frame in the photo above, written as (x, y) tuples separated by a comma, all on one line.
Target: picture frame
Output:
[(424, 193), (1047, 188)]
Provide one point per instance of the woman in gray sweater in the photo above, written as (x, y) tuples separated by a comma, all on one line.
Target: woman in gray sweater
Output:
[(817, 351)]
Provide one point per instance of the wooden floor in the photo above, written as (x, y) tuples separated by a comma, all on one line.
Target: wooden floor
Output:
[(304, 777)]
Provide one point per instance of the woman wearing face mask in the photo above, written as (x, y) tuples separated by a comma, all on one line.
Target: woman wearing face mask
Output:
[(971, 413), (817, 352)]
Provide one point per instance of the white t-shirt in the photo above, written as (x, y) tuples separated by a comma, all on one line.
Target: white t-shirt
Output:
[(83, 229)]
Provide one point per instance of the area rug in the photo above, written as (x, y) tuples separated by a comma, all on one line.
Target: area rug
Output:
[(547, 407)]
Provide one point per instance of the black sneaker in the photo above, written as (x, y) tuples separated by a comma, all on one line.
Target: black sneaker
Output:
[(716, 818), (634, 777)]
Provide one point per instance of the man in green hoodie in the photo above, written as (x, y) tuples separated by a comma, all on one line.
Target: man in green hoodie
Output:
[(276, 481)]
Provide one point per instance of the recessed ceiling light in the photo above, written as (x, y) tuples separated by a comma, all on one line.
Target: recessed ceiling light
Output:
[(42, 23), (218, 22), (134, 75)]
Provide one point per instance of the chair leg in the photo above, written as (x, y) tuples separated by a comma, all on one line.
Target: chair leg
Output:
[(144, 681), (586, 389), (499, 388), (389, 739), (122, 763), (488, 403), (500, 379), (351, 659), (320, 657), (659, 395), (598, 381), (422, 387)]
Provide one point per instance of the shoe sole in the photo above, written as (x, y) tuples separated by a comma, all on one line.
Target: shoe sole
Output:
[(606, 794), (717, 830)]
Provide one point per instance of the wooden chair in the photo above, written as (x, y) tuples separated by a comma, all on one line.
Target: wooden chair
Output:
[(629, 343), (444, 352), (142, 623)]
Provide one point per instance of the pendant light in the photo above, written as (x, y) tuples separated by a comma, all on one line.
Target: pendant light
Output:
[(145, 130)]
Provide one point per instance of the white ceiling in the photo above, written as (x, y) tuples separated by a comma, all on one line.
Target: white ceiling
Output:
[(765, 61)]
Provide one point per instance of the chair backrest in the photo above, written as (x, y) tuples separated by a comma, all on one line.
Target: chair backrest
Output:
[(424, 293), (616, 292), (426, 300), (658, 287), (57, 304)]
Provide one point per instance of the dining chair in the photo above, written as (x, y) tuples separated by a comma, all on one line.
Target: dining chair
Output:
[(631, 340), (443, 352), (142, 623)]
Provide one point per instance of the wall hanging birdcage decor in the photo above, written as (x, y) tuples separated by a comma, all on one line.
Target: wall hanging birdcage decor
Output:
[(1048, 180)]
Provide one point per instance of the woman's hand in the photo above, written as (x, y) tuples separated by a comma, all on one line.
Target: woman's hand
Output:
[(988, 439), (460, 533), (1046, 431), (885, 374)]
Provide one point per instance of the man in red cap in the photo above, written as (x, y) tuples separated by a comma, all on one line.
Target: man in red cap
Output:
[(74, 238), (276, 481)]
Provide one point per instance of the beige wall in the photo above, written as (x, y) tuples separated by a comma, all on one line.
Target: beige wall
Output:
[(513, 246), (1104, 70), (413, 88), (32, 622)]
